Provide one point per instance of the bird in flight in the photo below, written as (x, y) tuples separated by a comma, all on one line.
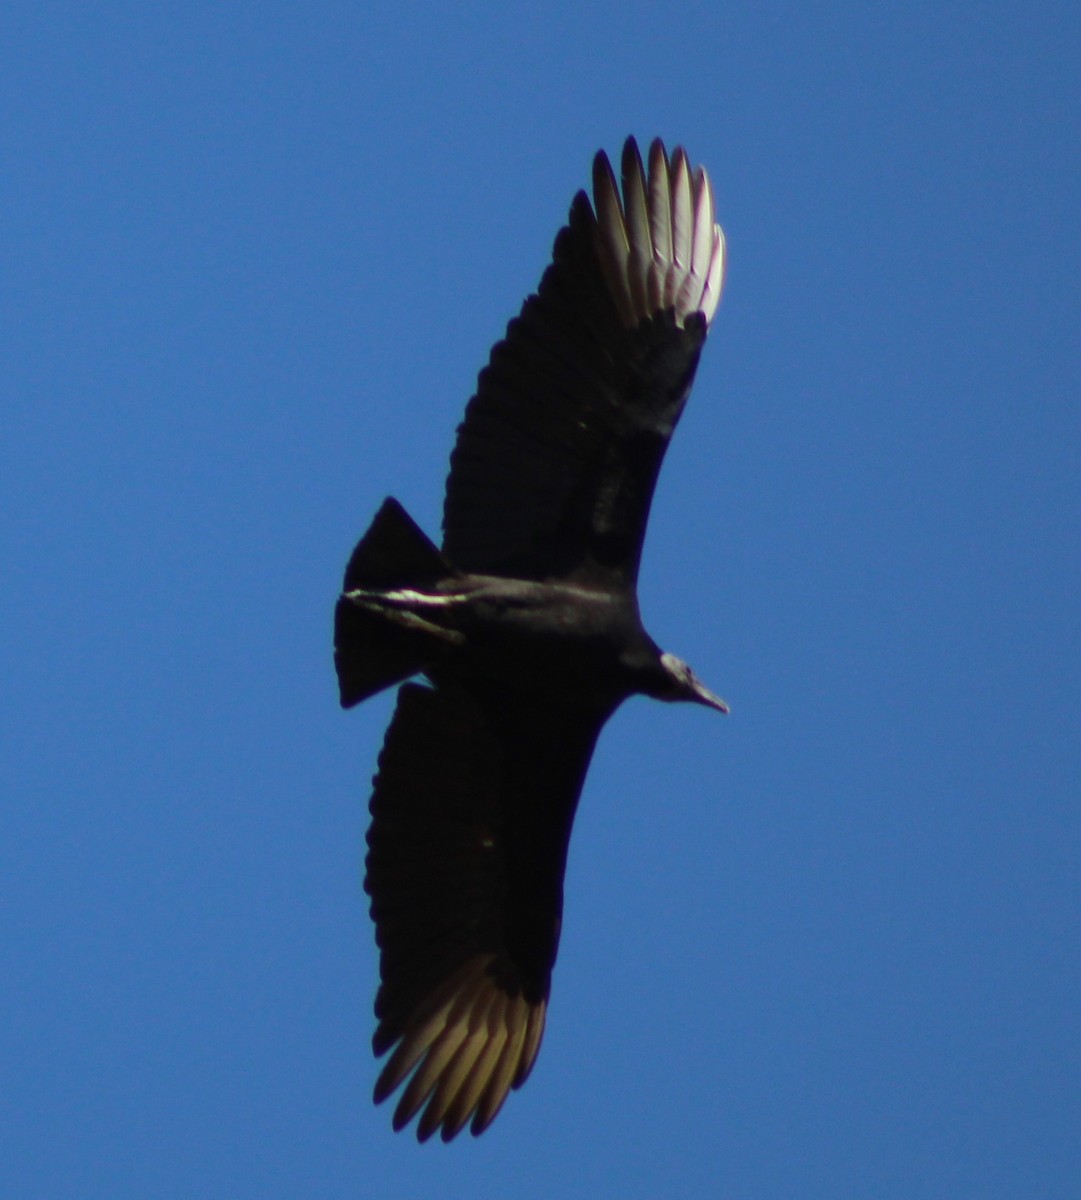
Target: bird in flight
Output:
[(525, 626)]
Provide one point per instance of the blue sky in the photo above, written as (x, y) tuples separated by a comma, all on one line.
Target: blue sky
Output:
[(252, 259)]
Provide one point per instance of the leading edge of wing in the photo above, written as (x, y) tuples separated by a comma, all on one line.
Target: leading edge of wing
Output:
[(556, 460), (471, 814)]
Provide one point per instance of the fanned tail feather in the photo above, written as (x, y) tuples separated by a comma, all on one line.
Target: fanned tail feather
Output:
[(370, 653)]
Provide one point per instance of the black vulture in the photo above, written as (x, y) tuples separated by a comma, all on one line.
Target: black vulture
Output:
[(526, 627)]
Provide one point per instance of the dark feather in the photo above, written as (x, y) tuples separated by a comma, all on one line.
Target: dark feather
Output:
[(471, 815), (556, 461)]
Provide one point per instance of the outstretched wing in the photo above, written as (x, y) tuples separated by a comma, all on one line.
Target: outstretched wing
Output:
[(471, 815), (556, 460)]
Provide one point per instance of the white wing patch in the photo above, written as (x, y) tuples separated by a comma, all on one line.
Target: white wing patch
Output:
[(661, 247)]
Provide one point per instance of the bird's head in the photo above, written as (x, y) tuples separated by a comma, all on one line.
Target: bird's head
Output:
[(679, 682)]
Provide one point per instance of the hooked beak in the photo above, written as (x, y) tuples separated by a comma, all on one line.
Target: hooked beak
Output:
[(702, 695)]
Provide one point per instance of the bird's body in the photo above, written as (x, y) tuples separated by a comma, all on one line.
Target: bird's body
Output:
[(563, 639), (526, 625)]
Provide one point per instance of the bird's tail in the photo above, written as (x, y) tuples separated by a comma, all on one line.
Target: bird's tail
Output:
[(372, 652)]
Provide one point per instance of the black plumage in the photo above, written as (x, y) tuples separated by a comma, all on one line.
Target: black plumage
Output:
[(526, 627)]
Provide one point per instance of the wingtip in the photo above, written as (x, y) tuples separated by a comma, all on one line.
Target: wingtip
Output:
[(460, 1054), (657, 238)]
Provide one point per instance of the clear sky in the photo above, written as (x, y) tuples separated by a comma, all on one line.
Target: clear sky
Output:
[(251, 259)]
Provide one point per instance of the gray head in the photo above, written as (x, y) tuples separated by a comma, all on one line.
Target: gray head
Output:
[(681, 683)]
